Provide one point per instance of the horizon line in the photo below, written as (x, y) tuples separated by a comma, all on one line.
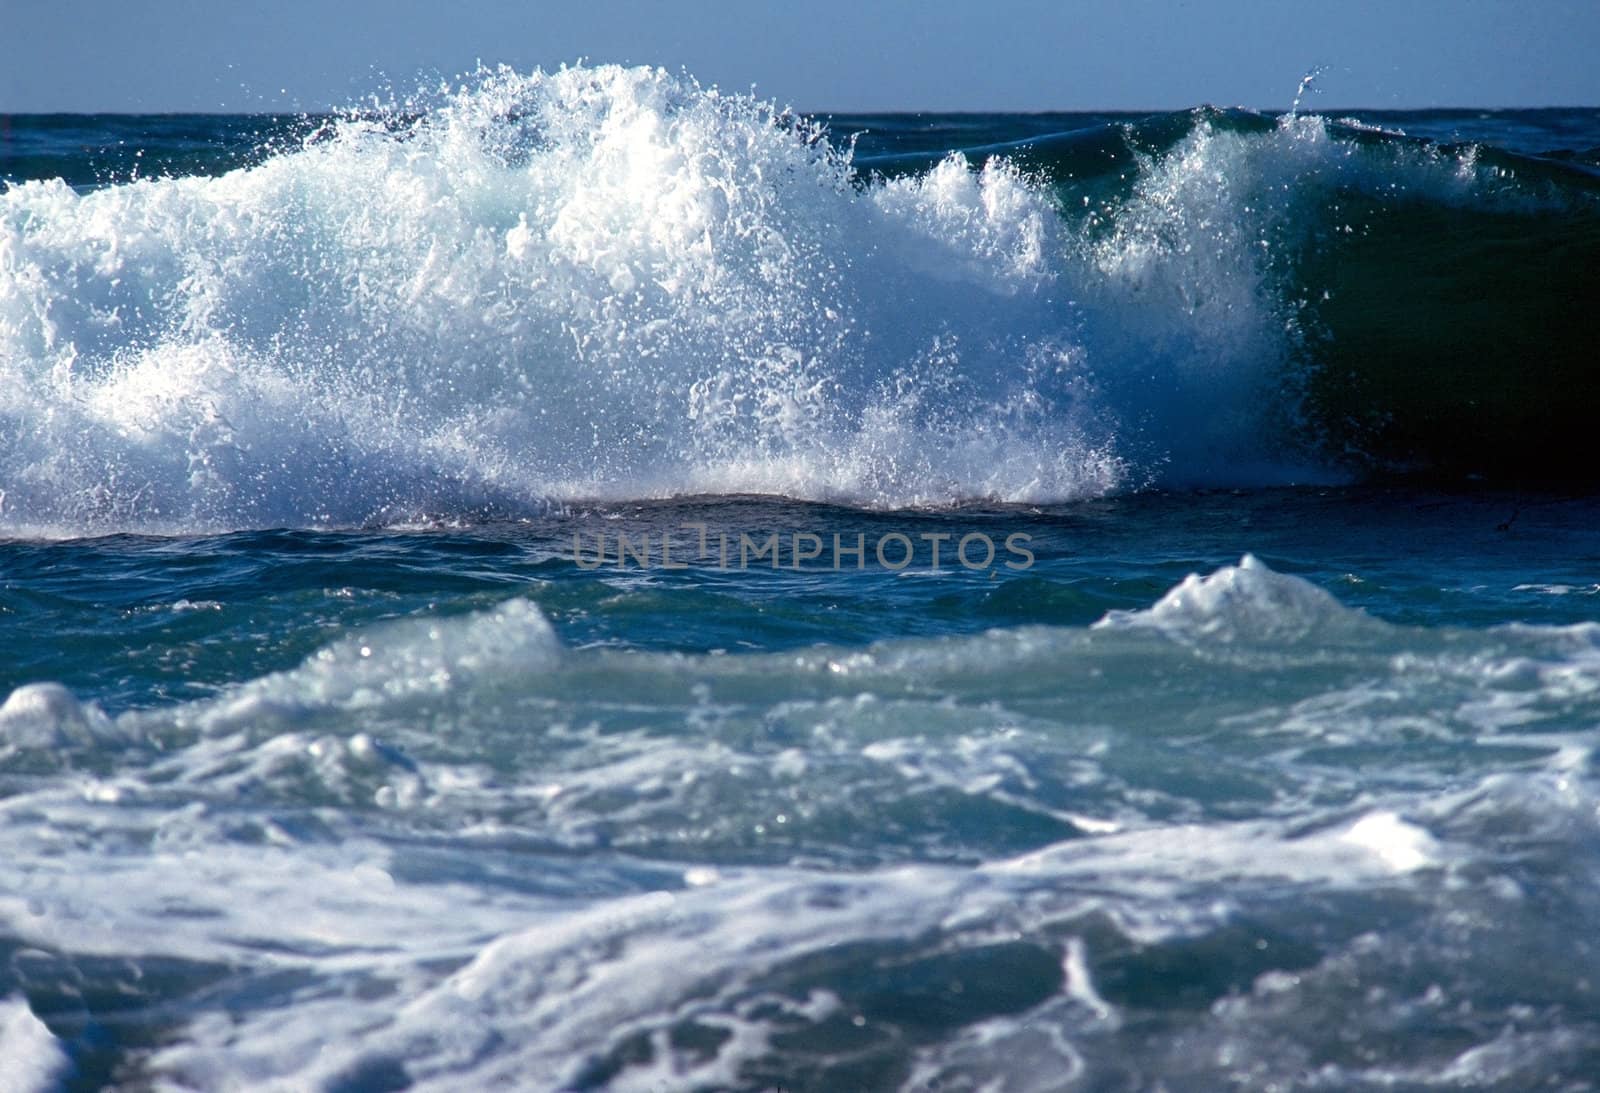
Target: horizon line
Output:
[(857, 111)]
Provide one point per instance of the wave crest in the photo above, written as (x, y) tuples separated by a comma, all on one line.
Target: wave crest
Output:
[(600, 282)]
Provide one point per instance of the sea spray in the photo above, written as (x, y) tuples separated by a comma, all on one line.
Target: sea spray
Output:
[(606, 283)]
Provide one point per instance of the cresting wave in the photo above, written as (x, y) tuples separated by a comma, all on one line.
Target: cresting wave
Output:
[(613, 283), (598, 283)]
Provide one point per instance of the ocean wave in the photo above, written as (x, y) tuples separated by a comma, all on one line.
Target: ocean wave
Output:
[(613, 283)]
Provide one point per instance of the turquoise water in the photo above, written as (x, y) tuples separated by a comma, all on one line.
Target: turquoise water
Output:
[(1259, 754)]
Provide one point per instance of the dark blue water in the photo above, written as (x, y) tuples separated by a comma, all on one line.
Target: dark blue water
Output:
[(471, 614)]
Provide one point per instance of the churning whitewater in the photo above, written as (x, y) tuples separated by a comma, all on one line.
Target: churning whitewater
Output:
[(614, 283), (445, 854)]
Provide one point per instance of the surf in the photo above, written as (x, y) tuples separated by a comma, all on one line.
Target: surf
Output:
[(610, 283)]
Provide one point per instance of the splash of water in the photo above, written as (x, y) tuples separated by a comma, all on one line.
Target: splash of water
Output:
[(608, 282)]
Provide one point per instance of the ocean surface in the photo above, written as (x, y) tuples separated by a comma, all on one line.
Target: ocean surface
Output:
[(581, 581)]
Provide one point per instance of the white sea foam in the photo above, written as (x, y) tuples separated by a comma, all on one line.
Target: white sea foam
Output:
[(1248, 603), (612, 282), (452, 852), (31, 1059), (48, 716)]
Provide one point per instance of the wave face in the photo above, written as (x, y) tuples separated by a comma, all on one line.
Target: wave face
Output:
[(613, 283)]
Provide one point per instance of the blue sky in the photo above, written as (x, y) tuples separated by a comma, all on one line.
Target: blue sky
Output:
[(181, 55)]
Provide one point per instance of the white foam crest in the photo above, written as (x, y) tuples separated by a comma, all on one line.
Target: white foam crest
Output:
[(31, 1059), (608, 282), (1172, 858), (47, 717), (395, 664), (1399, 845), (1246, 603)]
